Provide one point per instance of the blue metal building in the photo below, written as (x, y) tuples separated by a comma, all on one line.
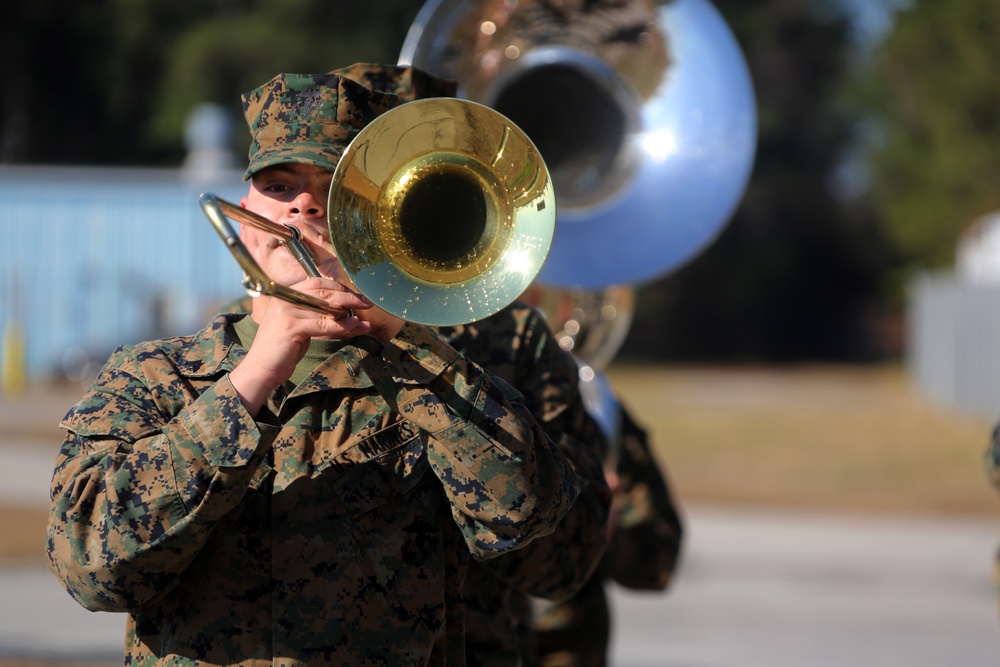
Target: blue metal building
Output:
[(92, 258)]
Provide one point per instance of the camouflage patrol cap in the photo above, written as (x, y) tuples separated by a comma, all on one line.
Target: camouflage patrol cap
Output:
[(308, 118), (407, 83)]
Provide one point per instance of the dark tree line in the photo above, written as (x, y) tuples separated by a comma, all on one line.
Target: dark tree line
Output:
[(110, 82)]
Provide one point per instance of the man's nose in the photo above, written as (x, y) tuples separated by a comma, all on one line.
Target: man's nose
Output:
[(307, 204)]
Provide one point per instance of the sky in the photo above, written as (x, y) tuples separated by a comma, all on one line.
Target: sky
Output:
[(872, 18)]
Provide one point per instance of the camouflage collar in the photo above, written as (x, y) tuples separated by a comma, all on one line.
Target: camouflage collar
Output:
[(213, 351), (342, 370)]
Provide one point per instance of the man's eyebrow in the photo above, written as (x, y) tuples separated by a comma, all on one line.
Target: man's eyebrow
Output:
[(283, 167)]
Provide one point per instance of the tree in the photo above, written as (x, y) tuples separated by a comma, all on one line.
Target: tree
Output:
[(111, 82), (935, 97)]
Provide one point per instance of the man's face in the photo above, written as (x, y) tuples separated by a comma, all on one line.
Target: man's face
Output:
[(296, 195)]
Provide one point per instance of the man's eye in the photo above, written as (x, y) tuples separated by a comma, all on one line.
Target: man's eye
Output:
[(277, 188)]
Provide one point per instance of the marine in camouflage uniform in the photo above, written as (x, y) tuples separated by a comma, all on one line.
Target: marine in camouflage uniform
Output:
[(334, 526)]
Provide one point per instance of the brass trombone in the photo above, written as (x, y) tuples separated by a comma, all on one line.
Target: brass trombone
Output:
[(441, 211), (255, 280)]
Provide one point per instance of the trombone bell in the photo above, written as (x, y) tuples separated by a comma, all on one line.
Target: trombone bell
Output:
[(440, 226), (441, 211)]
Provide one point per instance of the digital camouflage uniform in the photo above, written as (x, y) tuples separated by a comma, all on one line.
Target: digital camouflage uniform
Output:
[(337, 527)]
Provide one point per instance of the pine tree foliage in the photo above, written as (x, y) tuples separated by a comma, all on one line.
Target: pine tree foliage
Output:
[(935, 94)]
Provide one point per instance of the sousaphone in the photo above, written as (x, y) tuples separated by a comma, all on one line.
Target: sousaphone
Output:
[(643, 110)]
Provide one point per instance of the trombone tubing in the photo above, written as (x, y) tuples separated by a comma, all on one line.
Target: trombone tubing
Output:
[(255, 280), (289, 235)]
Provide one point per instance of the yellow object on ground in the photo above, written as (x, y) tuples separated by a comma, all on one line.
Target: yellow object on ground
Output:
[(12, 361)]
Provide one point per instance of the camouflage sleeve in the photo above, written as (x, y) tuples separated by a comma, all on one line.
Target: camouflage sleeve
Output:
[(556, 566), (505, 479), (645, 548), (136, 492)]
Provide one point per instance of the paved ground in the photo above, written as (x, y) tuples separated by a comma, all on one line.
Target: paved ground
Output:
[(757, 588), (762, 589)]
